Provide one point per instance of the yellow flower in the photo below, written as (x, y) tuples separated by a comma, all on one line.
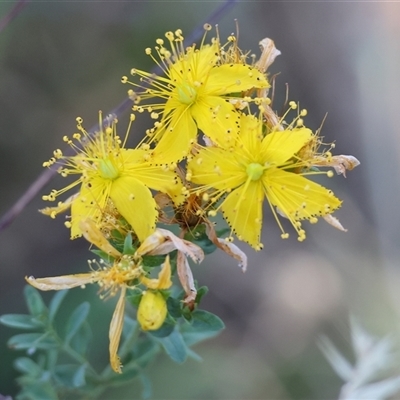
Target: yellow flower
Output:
[(257, 167), (108, 171), (193, 93)]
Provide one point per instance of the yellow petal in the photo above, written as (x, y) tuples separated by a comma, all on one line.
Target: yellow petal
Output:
[(152, 311), (154, 176), (218, 168), (234, 78), (217, 119), (278, 147), (164, 277), (61, 282), (195, 65), (242, 209), (297, 197), (178, 137), (250, 138), (116, 325), (61, 206), (136, 204), (89, 203), (93, 235)]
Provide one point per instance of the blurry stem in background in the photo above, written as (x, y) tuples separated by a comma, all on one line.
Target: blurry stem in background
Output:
[(13, 13), (48, 174)]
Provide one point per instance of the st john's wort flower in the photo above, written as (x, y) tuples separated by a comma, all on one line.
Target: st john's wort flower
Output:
[(106, 170), (194, 93)]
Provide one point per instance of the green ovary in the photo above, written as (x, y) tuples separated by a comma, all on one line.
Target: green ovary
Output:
[(186, 94), (108, 170), (254, 171)]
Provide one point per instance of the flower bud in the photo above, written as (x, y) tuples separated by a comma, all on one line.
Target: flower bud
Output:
[(152, 311)]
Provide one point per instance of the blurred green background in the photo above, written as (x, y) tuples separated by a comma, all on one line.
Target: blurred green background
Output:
[(60, 60)]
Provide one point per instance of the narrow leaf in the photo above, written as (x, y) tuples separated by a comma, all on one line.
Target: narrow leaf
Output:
[(27, 366), (34, 301), (55, 303), (78, 380), (32, 341), (75, 321), (21, 321), (174, 346)]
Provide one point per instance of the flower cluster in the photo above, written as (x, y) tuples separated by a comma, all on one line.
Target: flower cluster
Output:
[(216, 145)]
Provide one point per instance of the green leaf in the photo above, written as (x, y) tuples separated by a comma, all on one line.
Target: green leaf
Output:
[(201, 292), (75, 321), (78, 379), (128, 245), (27, 366), (34, 301), (134, 297), (38, 391), (144, 351), (174, 307), (204, 325), (21, 321), (32, 341), (55, 303), (129, 371), (165, 330), (152, 261), (174, 346), (81, 340), (70, 375)]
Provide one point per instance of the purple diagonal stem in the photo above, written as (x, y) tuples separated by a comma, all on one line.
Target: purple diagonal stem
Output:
[(18, 7)]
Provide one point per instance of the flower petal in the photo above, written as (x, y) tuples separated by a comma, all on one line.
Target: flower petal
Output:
[(217, 168), (93, 235), (186, 279), (155, 177), (242, 209), (116, 325), (136, 204), (61, 282), (234, 78), (278, 147), (89, 203), (217, 119), (164, 277), (298, 197), (162, 241), (177, 138), (228, 247)]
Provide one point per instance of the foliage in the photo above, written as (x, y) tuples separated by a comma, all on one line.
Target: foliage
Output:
[(56, 362)]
